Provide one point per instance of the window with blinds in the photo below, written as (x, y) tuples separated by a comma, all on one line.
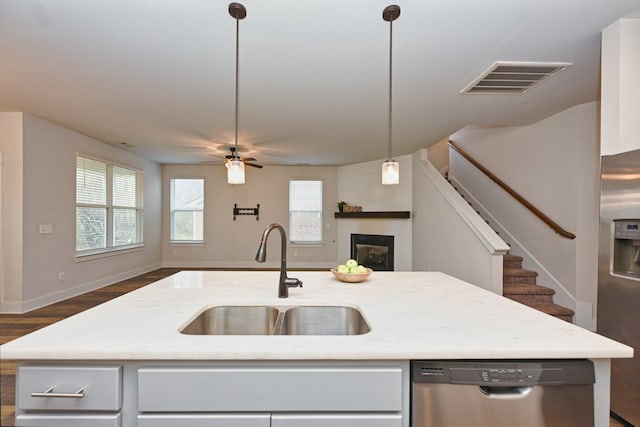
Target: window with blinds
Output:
[(108, 206), (187, 210), (305, 211)]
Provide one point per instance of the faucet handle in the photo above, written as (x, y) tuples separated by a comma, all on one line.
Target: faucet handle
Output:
[(285, 284), (292, 282)]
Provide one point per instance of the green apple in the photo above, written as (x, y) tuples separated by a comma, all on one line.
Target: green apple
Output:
[(354, 270), (342, 268), (362, 269), (351, 263)]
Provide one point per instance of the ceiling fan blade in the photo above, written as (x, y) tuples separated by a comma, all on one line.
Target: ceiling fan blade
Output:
[(248, 159), (253, 165)]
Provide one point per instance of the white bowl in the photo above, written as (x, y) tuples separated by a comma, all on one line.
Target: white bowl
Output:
[(352, 277)]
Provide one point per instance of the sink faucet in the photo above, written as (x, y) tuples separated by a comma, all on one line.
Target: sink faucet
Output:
[(285, 282)]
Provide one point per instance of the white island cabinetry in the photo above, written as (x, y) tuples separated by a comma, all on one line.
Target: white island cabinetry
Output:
[(215, 394), (175, 379), (286, 394)]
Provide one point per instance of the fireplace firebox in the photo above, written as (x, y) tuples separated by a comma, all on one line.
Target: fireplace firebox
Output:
[(373, 250)]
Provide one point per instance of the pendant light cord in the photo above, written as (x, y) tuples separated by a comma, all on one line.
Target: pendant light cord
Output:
[(235, 154), (390, 83)]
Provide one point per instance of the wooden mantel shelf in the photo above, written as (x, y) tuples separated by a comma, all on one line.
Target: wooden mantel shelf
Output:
[(376, 214)]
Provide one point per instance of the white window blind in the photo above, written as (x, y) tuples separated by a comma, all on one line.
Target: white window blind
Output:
[(125, 217), (91, 182), (187, 210), (124, 185), (305, 211), (108, 206)]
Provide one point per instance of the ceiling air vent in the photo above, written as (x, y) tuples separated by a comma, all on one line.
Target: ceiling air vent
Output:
[(513, 77)]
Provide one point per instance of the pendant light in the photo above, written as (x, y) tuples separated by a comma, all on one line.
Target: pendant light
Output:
[(390, 168), (235, 167)]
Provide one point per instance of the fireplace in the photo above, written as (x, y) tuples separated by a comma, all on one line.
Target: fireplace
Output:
[(373, 250)]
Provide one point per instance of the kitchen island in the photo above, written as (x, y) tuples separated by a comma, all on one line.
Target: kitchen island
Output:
[(135, 342)]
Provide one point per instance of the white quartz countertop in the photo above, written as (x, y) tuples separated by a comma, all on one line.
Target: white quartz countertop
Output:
[(413, 315)]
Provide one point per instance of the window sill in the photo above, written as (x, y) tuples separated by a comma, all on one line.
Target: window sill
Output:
[(104, 253), (306, 245), (186, 243)]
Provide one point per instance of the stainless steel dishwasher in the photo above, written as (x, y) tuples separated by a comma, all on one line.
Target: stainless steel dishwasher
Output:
[(514, 393)]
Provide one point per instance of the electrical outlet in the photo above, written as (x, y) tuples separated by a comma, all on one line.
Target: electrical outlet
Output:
[(61, 277)]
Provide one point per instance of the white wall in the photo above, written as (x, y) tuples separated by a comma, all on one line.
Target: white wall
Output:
[(360, 185), (555, 165), (620, 87), (439, 155), (11, 255), (448, 234), (48, 197), (230, 243)]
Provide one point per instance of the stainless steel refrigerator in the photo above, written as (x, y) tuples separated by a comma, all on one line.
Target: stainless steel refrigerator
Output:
[(619, 275)]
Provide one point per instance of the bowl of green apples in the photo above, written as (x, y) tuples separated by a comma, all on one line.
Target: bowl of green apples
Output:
[(351, 272)]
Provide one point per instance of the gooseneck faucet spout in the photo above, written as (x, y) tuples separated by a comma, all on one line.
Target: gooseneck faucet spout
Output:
[(285, 282)]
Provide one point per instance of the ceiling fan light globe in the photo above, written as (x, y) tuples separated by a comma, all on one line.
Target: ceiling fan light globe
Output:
[(235, 172)]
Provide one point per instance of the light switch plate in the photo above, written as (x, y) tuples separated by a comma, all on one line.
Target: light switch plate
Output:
[(46, 228)]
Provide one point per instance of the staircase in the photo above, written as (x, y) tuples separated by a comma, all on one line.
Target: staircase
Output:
[(520, 285)]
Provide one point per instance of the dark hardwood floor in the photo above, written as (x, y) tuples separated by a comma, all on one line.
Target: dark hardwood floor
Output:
[(15, 325)]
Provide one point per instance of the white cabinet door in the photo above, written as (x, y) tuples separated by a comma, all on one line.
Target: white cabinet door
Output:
[(204, 420), (336, 420), (68, 420)]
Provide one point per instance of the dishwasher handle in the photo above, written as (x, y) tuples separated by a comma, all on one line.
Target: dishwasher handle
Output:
[(505, 393)]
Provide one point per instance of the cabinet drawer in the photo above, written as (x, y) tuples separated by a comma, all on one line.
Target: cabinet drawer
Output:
[(336, 420), (269, 389), (69, 388), (204, 420), (70, 420)]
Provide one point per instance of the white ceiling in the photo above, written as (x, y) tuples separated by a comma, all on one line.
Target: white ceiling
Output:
[(159, 74)]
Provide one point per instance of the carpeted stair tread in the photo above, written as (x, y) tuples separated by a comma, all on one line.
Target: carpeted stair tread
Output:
[(524, 289), (528, 294), (519, 275), (520, 272), (511, 261), (553, 309)]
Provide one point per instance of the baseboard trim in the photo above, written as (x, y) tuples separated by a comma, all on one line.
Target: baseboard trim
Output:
[(33, 304)]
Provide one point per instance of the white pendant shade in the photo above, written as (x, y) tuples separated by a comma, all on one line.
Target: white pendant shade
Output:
[(235, 172), (390, 172)]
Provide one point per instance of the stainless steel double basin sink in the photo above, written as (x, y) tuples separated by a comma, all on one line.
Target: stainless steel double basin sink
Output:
[(278, 320)]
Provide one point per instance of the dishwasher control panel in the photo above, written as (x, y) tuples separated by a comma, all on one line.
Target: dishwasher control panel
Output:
[(504, 373), (506, 376)]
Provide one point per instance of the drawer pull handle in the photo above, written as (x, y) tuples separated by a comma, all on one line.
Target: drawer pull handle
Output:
[(49, 393)]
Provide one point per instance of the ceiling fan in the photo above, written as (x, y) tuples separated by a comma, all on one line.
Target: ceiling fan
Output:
[(246, 160)]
